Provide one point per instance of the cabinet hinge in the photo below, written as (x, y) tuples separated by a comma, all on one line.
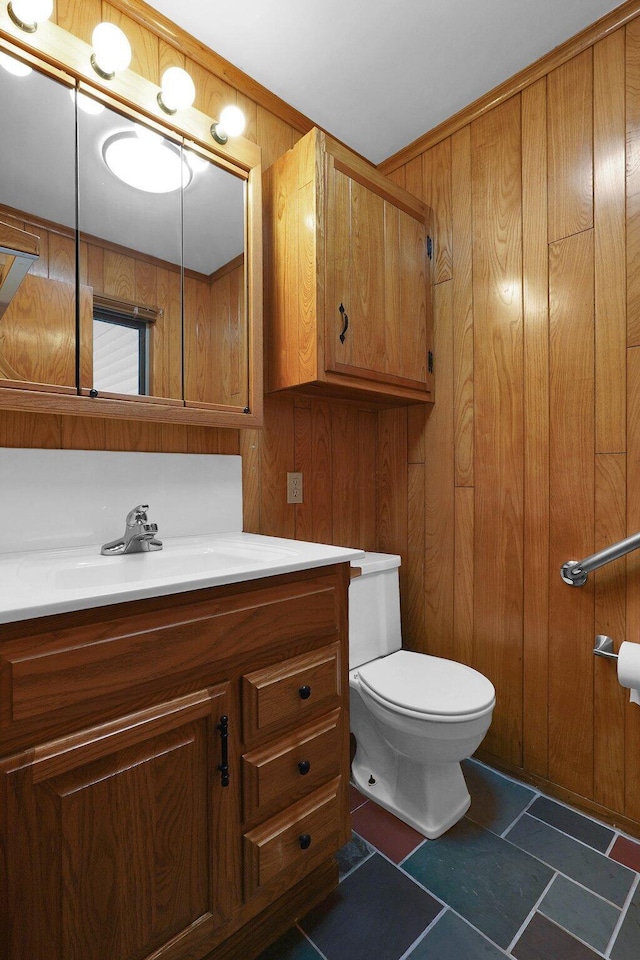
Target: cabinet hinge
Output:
[(430, 361), (430, 248)]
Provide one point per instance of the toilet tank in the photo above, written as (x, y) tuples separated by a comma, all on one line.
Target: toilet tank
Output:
[(374, 608)]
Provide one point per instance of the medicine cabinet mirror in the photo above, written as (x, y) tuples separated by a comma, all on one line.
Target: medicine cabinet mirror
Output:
[(130, 273)]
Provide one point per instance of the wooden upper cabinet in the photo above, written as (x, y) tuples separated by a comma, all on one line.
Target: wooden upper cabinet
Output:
[(347, 281)]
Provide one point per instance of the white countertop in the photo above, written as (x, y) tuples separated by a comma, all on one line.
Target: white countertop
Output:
[(43, 582)]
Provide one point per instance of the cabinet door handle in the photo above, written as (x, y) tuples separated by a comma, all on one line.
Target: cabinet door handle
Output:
[(304, 766), (305, 692), (223, 766), (345, 318), (305, 841)]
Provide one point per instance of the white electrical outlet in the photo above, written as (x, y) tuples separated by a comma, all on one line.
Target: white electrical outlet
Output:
[(294, 488)]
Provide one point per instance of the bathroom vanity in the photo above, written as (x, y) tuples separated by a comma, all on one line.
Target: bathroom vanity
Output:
[(174, 771), (174, 735)]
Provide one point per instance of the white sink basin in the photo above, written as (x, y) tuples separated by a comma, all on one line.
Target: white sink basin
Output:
[(177, 561), (39, 583)]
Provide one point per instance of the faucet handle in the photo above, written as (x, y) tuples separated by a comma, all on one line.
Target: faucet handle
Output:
[(137, 515)]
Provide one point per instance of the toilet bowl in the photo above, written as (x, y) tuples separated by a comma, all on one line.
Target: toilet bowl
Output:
[(414, 717)]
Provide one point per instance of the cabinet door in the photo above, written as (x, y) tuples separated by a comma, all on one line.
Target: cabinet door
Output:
[(355, 318), (406, 283), (119, 840), (376, 309)]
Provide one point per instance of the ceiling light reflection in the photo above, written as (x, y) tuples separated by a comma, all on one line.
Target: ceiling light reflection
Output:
[(147, 163)]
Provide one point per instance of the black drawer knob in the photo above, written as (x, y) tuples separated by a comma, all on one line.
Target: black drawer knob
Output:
[(305, 692), (305, 841), (304, 766)]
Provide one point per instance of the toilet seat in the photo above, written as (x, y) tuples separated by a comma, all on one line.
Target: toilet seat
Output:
[(421, 686)]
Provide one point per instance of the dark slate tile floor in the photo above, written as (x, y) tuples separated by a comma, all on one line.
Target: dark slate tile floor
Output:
[(521, 877)]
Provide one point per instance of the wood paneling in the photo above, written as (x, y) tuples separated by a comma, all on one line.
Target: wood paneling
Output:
[(34, 349), (633, 180), (609, 221), (463, 596), (439, 494), (438, 194), (462, 238), (535, 272), (570, 135), (498, 417), (532, 450), (79, 16), (414, 597), (571, 477), (393, 517), (610, 619)]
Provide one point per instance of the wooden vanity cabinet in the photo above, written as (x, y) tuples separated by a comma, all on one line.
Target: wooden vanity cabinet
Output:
[(347, 278), (130, 826)]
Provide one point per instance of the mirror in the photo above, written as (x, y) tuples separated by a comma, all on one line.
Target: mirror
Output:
[(162, 317), (37, 228), (215, 333), (130, 246)]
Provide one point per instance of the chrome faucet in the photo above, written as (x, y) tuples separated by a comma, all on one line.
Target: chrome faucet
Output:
[(139, 535)]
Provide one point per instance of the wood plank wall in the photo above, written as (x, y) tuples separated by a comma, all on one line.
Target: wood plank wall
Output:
[(530, 456)]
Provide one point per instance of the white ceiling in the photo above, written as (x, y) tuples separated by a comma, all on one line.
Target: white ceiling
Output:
[(379, 74)]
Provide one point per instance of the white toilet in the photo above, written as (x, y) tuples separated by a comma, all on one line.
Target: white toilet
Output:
[(414, 717)]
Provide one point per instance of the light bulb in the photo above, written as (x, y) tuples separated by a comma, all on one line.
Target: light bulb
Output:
[(27, 14), (178, 91), (232, 120), (111, 50), (231, 124)]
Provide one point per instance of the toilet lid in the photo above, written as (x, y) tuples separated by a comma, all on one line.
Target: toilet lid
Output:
[(428, 685)]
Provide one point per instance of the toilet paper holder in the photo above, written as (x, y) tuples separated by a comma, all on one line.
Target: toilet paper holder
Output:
[(604, 647)]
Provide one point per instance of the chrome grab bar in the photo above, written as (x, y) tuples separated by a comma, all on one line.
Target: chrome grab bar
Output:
[(574, 572)]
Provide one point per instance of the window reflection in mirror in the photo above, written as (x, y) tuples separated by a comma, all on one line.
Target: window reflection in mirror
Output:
[(130, 179), (215, 312), (37, 227), (120, 354)]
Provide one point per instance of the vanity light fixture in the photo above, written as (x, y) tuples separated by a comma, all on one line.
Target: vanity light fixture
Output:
[(230, 124), (27, 14), (178, 91), (111, 50)]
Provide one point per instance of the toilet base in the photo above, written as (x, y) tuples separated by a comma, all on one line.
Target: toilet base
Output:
[(430, 798)]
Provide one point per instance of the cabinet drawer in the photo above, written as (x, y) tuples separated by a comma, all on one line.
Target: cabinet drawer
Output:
[(275, 776), (294, 842), (290, 691), (66, 667)]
